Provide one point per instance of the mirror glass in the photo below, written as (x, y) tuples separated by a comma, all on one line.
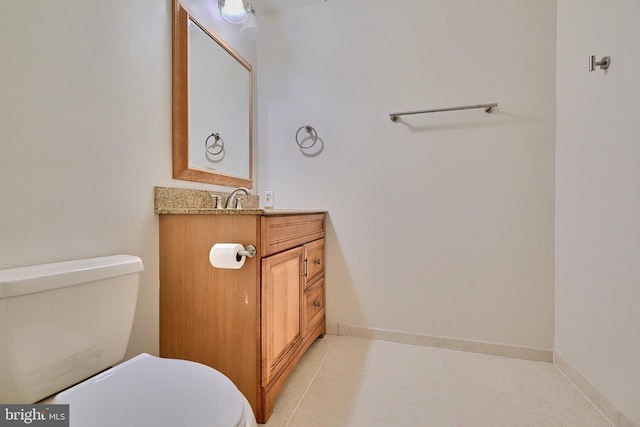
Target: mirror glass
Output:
[(212, 106)]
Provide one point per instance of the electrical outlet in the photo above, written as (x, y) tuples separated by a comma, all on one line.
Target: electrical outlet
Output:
[(268, 199)]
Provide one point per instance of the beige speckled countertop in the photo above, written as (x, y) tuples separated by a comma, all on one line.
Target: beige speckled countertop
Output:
[(200, 202), (257, 211)]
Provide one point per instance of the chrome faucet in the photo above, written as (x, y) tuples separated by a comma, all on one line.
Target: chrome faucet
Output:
[(233, 195)]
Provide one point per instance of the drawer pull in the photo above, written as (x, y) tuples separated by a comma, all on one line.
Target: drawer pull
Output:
[(317, 304), (318, 261)]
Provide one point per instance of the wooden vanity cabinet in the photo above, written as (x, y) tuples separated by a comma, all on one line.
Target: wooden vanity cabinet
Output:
[(252, 324)]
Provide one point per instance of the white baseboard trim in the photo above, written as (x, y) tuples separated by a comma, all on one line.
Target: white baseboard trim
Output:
[(495, 349), (608, 409)]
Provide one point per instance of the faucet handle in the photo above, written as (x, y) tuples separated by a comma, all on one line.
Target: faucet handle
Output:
[(218, 200), (238, 202)]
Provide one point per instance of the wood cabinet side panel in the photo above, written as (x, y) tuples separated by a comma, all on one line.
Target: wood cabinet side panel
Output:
[(211, 315)]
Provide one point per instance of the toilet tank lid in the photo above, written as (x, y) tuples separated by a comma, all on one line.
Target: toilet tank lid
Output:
[(37, 278)]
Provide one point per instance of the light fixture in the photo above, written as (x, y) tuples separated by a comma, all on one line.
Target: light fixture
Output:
[(232, 11), (249, 29)]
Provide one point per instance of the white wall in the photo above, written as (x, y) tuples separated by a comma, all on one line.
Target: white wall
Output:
[(598, 202), (85, 135), (443, 224)]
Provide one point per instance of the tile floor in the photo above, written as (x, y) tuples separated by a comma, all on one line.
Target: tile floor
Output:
[(348, 381)]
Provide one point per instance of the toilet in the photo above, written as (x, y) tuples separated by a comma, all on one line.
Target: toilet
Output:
[(64, 329)]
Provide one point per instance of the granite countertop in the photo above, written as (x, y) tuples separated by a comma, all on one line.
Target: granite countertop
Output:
[(258, 211), (183, 201)]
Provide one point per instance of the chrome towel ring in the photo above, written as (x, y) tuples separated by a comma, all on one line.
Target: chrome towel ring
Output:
[(218, 142), (312, 135)]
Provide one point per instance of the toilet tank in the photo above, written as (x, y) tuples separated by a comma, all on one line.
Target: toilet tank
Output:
[(61, 323)]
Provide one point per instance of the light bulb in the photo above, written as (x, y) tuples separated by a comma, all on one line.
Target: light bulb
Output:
[(233, 11)]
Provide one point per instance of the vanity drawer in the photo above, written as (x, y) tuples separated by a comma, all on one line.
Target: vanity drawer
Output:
[(313, 306), (284, 232), (314, 260)]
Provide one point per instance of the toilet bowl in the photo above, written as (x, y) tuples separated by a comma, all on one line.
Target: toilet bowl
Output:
[(152, 391), (63, 324)]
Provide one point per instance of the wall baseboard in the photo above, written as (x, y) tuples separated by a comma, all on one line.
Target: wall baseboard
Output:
[(494, 349), (608, 409)]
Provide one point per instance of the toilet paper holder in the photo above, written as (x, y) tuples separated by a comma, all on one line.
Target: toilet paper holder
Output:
[(249, 251)]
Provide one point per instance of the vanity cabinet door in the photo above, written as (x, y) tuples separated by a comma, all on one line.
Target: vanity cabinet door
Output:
[(282, 287)]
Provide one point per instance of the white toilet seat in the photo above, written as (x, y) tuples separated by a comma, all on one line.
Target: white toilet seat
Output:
[(149, 391)]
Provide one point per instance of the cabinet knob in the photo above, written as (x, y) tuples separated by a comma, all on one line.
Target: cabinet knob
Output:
[(317, 304), (318, 261)]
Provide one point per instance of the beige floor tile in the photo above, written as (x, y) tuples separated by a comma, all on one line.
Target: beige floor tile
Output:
[(395, 414), (402, 376), (477, 379), (308, 422), (544, 390), (277, 419), (479, 392), (570, 407), (354, 359), (484, 389), (316, 354), (354, 382), (352, 344), (476, 414), (337, 401), (408, 351), (292, 392), (535, 374), (470, 370), (323, 345), (406, 402), (539, 420), (462, 364)]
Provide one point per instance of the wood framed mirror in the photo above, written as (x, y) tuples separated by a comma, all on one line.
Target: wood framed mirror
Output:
[(212, 106)]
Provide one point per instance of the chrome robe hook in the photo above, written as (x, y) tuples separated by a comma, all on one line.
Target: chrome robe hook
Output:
[(603, 64)]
